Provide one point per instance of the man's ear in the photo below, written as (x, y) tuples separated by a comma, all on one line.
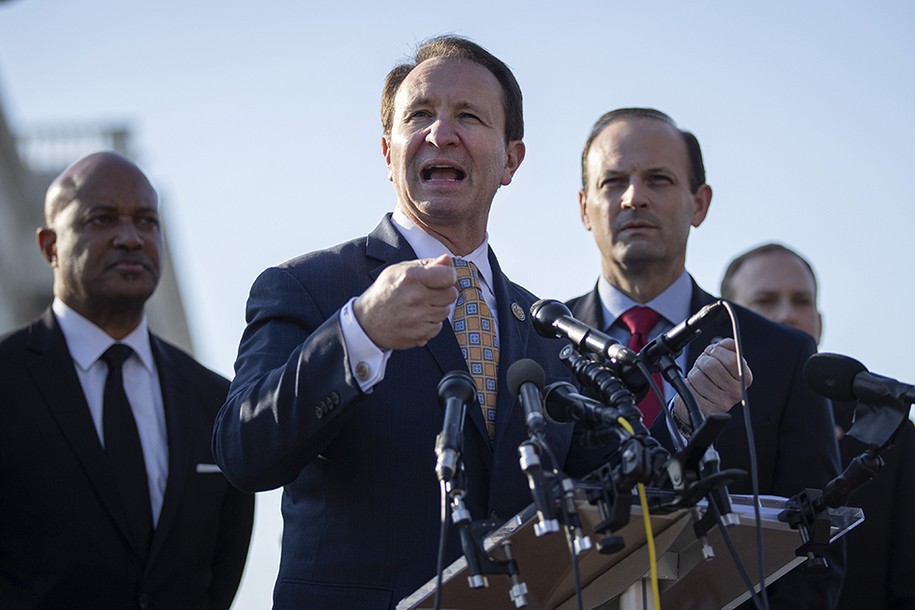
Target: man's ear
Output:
[(702, 200), (386, 152), (513, 158), (47, 243), (583, 209)]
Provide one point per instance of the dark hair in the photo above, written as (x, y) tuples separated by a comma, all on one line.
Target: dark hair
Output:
[(727, 282), (456, 47), (696, 166)]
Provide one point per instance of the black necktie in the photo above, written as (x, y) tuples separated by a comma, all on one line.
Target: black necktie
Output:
[(123, 449)]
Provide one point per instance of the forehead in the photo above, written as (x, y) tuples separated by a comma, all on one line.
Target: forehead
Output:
[(111, 185), (775, 272), (458, 82), (636, 144)]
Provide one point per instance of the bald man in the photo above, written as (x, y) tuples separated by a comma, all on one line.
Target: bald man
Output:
[(778, 283), (109, 495)]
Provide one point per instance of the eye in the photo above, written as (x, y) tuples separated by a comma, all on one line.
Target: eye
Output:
[(659, 179), (418, 114), (101, 219), (147, 222), (610, 182)]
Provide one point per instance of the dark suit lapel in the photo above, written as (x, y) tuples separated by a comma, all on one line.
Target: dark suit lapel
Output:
[(588, 309), (514, 335), (177, 401), (387, 246), (55, 377)]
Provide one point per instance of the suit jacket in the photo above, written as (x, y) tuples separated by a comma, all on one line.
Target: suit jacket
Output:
[(361, 503), (792, 428), (63, 537), (881, 551)]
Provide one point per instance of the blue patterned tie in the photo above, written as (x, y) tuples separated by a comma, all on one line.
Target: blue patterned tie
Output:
[(475, 330)]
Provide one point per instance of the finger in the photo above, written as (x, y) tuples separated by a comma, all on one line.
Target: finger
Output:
[(441, 261), (436, 276)]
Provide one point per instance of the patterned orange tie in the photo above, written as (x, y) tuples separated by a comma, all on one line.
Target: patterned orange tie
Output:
[(475, 330), (640, 321)]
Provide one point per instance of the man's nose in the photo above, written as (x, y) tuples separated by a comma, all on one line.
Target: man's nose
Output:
[(634, 196), (442, 133), (127, 234), (786, 314)]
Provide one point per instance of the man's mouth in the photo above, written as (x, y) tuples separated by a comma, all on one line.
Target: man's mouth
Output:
[(444, 173)]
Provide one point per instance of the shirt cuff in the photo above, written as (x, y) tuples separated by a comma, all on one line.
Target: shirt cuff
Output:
[(367, 361)]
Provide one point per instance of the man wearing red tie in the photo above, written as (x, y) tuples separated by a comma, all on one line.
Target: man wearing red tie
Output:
[(643, 189)]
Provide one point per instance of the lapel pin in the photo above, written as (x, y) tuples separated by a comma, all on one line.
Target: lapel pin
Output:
[(518, 312)]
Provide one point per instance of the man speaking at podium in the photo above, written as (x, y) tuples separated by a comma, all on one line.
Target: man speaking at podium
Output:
[(334, 396), (643, 189)]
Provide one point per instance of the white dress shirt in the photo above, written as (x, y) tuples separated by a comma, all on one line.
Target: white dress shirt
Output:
[(87, 342)]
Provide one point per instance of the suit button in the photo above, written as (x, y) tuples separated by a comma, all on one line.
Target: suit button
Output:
[(142, 601), (335, 398), (319, 412)]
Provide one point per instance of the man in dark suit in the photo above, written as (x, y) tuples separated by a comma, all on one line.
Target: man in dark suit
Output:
[(109, 496), (335, 390), (778, 283), (643, 189)]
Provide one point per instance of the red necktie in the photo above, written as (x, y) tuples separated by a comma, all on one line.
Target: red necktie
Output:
[(640, 321)]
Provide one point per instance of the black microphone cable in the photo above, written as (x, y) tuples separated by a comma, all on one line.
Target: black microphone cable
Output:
[(442, 539), (754, 472)]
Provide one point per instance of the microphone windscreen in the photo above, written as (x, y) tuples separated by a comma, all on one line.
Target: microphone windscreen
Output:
[(523, 371), (832, 375), (544, 314)]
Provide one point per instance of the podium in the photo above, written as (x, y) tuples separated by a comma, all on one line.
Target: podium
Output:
[(620, 581)]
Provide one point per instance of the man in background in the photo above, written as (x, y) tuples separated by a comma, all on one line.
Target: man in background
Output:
[(643, 190), (109, 495), (778, 283)]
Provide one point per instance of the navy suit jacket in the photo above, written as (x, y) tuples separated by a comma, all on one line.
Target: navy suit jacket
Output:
[(63, 536), (361, 503), (792, 427)]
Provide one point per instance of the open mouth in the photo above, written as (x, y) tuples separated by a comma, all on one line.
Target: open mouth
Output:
[(443, 173)]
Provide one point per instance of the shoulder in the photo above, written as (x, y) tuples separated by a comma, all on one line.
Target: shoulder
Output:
[(772, 333), (185, 364), (36, 336)]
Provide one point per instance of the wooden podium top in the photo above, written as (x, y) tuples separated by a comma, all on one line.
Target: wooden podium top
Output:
[(686, 579)]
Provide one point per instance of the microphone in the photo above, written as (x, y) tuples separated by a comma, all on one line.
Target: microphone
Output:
[(455, 391), (564, 404), (673, 341), (525, 380), (553, 319), (842, 378)]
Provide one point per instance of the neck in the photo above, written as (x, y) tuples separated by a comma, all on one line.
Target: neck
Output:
[(116, 322), (460, 238), (641, 283)]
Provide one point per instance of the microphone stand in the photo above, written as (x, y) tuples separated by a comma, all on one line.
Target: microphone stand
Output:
[(808, 511), (641, 457), (479, 562), (709, 463)]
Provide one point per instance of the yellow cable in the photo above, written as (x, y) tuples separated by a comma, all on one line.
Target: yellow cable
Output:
[(649, 536)]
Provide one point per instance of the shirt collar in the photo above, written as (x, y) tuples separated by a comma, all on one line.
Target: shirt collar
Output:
[(673, 303), (426, 246), (87, 342)]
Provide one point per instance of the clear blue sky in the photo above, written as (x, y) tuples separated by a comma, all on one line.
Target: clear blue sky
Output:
[(258, 122)]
